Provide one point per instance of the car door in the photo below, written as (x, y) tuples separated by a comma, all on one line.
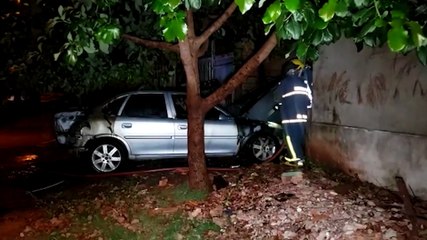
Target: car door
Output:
[(220, 130), (220, 133), (144, 124)]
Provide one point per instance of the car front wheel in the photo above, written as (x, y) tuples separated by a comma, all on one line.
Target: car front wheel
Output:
[(262, 147), (106, 156)]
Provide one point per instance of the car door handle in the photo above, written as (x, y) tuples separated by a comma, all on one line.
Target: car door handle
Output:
[(182, 127), (126, 125)]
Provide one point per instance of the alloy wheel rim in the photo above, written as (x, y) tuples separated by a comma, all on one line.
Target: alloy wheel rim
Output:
[(263, 148), (106, 158)]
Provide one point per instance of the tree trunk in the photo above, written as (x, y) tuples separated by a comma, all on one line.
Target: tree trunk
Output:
[(198, 173)]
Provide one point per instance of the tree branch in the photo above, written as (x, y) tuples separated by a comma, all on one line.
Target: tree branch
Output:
[(215, 25), (242, 74), (152, 44)]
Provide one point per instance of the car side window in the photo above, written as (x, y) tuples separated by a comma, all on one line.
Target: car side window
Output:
[(113, 107), (180, 106), (146, 106)]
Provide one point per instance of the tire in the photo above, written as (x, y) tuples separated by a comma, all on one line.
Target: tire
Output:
[(107, 156), (261, 147)]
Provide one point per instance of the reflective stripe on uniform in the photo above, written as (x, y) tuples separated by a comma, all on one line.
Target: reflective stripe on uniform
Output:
[(301, 116), (298, 88), (294, 157), (295, 93), (294, 121)]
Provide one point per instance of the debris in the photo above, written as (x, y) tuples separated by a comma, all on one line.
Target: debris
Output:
[(282, 197)]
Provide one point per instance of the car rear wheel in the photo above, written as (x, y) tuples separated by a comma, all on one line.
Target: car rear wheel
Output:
[(262, 147), (107, 156)]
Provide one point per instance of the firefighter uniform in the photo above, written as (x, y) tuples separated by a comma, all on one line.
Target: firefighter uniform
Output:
[(296, 99)]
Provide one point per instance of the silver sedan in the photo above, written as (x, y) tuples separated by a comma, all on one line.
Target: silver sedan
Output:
[(153, 125)]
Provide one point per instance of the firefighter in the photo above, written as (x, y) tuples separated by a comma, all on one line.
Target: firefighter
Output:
[(296, 99)]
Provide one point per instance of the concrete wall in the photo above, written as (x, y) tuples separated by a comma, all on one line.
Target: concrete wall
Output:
[(370, 114)]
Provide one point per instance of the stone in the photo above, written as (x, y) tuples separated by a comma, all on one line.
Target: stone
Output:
[(289, 235), (217, 211), (196, 212), (163, 182), (294, 177), (220, 221), (390, 234)]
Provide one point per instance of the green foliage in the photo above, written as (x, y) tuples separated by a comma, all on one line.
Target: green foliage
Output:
[(399, 23), (94, 27)]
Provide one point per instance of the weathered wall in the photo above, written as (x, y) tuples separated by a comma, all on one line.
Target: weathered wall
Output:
[(369, 114)]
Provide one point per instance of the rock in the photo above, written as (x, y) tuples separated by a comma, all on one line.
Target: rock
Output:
[(351, 227), (390, 234), (295, 177), (217, 211), (196, 212), (134, 221), (370, 203), (221, 222), (163, 182), (121, 219), (289, 235), (333, 193)]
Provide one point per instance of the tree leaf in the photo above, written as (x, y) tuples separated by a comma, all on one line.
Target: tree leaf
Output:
[(292, 5), (104, 47), (360, 3), (397, 39), (417, 34), (312, 54), (302, 49), (61, 11), (56, 56), (294, 29), (320, 24), (341, 9), (317, 38), (367, 28), (90, 48), (422, 55), (327, 12), (175, 29), (379, 23), (327, 36), (244, 5), (272, 13)]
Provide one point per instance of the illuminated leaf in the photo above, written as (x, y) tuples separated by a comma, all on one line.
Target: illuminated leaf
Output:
[(272, 13), (244, 5), (327, 12), (292, 5), (397, 39)]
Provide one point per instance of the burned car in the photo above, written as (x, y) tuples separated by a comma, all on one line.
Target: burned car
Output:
[(144, 125)]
